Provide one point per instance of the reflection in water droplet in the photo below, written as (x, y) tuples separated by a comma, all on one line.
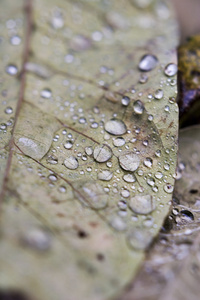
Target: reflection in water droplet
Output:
[(148, 162), (105, 175), (102, 153), (171, 69), (46, 93), (158, 94), (148, 62), (125, 101), (92, 194), (71, 163), (68, 145), (11, 69), (118, 142), (138, 107), (142, 204), (129, 178), (129, 161), (115, 127), (168, 188)]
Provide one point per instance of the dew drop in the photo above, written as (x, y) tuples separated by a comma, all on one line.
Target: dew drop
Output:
[(105, 175), (8, 110), (115, 127), (15, 40), (38, 239), (71, 163), (46, 93), (68, 145), (148, 62), (88, 150), (125, 101), (168, 188), (118, 142), (142, 204), (11, 69), (138, 238), (148, 162), (143, 78), (102, 153), (158, 94), (138, 107), (118, 223), (171, 69), (53, 177), (129, 178), (125, 193), (129, 161)]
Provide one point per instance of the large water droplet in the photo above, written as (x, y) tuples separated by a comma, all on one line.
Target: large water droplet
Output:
[(171, 69), (138, 107), (102, 153), (129, 161), (142, 204), (71, 163), (148, 62), (105, 175), (115, 127)]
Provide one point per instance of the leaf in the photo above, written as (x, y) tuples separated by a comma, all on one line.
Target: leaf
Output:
[(87, 162), (171, 270)]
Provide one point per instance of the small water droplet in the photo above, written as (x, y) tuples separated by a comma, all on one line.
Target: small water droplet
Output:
[(38, 239), (129, 178), (125, 193), (102, 153), (148, 162), (88, 150), (115, 127), (53, 177), (158, 153), (151, 181), (62, 189), (3, 126), (129, 161), (118, 142), (143, 78), (142, 204), (138, 107), (150, 118), (11, 69), (171, 69), (71, 163), (118, 223), (46, 93), (159, 175), (158, 94), (167, 108), (15, 40), (138, 238), (105, 175), (125, 101), (168, 188), (148, 62), (8, 110), (68, 145)]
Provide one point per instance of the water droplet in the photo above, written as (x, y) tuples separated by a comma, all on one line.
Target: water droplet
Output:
[(71, 163), (166, 167), (97, 36), (118, 223), (138, 238), (105, 175), (129, 161), (15, 40), (46, 93), (38, 239), (125, 193), (51, 159), (88, 150), (80, 43), (11, 69), (158, 94), (168, 188), (142, 204), (150, 118), (148, 62), (92, 194), (159, 175), (171, 69), (129, 178), (53, 177), (118, 142), (8, 110), (167, 108), (62, 189), (125, 101), (138, 107), (122, 205), (102, 153), (68, 145), (148, 162), (158, 153), (3, 126), (143, 78), (115, 127), (151, 181), (184, 217)]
